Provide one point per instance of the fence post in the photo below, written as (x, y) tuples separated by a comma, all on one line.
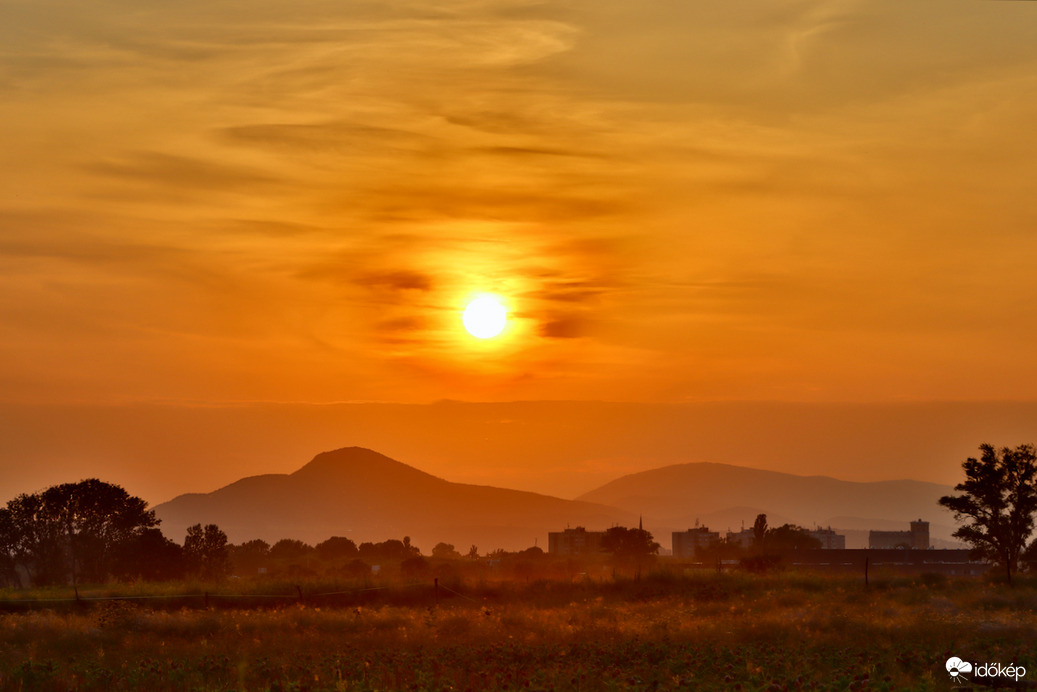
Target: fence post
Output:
[(299, 589), (206, 600), (435, 584), (865, 571)]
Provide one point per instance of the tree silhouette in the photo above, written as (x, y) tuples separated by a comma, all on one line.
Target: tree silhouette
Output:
[(95, 518), (759, 531), (288, 549), (445, 551), (8, 571), (206, 552), (790, 537), (250, 556), (73, 531), (415, 567), (998, 503), (629, 546), (337, 547), (391, 549), (149, 556), (36, 540)]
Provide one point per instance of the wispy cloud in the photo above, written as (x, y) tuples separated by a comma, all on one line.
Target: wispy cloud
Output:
[(678, 200)]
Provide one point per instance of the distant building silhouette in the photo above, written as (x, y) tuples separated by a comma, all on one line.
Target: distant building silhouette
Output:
[(686, 542), (915, 539), (578, 541), (830, 540), (744, 538)]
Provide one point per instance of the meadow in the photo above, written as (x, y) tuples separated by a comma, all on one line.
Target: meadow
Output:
[(661, 632)]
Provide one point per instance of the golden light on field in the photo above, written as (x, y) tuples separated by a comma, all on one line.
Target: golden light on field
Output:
[(485, 317)]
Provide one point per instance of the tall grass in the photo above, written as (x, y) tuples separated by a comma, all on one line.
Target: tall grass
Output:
[(709, 631)]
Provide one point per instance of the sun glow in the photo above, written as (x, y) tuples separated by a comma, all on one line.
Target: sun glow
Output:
[(485, 317)]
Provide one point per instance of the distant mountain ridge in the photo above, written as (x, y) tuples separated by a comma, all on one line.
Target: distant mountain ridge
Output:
[(366, 496), (678, 495)]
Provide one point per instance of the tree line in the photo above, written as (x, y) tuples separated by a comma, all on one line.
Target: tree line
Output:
[(92, 531)]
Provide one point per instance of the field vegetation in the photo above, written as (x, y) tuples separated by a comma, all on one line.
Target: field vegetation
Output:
[(664, 631)]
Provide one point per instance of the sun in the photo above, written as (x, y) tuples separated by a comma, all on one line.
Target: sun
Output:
[(485, 317)]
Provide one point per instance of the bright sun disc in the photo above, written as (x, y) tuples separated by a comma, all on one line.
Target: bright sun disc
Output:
[(484, 318)]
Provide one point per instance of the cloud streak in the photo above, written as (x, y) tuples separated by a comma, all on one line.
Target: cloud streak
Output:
[(697, 200)]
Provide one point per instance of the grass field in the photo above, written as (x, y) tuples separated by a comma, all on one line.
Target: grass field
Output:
[(710, 631)]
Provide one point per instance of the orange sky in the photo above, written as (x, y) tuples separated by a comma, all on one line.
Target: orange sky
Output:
[(808, 201), (224, 203)]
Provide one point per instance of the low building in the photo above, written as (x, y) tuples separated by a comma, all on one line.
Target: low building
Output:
[(685, 543), (830, 540), (745, 538), (578, 541), (915, 539)]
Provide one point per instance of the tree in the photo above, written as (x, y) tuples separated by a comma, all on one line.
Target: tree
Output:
[(95, 518), (790, 537), (206, 552), (74, 530), (250, 556), (759, 531), (36, 540), (8, 571), (336, 547), (150, 556), (719, 551), (415, 567), (629, 546), (391, 549), (357, 569), (445, 551), (288, 549), (998, 504)]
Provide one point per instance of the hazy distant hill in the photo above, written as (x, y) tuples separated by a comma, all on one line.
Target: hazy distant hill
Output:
[(721, 496), (363, 495)]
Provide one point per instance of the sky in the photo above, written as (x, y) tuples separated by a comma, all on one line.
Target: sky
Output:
[(216, 203)]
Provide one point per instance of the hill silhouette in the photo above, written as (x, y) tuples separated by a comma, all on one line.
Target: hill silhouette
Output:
[(366, 496), (678, 495)]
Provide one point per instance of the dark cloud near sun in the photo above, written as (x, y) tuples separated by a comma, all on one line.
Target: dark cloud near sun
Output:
[(563, 328), (401, 280)]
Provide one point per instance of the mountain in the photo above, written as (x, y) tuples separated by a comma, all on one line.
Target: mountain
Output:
[(676, 497), (366, 496)]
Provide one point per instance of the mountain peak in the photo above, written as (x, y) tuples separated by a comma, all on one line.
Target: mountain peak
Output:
[(356, 463), (365, 495), (347, 456)]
